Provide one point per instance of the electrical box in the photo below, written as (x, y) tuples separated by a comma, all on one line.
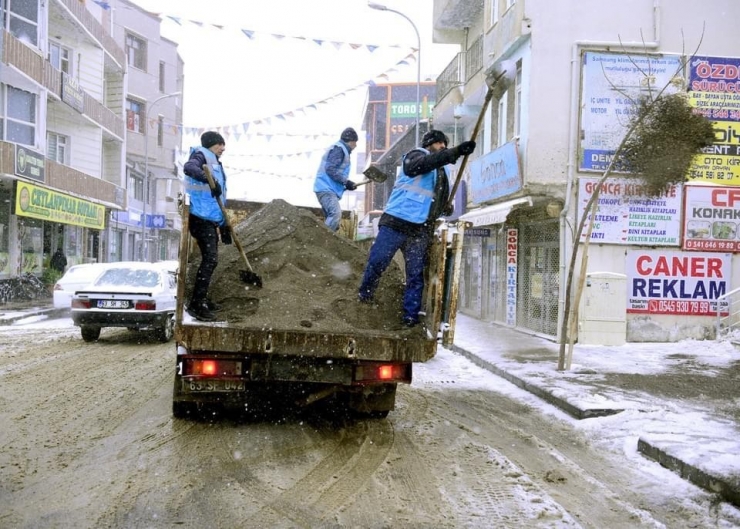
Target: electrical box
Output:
[(602, 315)]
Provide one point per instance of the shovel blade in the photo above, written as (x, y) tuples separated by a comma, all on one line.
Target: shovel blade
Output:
[(250, 278)]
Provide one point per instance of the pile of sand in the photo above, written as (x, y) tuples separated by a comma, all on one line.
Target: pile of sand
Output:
[(310, 277)]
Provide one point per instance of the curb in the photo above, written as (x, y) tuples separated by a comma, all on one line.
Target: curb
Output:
[(572, 410), (727, 490), (11, 317)]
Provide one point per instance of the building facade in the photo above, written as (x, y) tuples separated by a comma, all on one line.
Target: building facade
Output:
[(566, 77), (149, 230), (62, 139)]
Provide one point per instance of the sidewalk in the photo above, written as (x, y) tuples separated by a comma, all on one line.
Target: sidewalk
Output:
[(679, 402)]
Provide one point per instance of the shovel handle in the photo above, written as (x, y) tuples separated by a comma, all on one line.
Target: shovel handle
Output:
[(212, 184)]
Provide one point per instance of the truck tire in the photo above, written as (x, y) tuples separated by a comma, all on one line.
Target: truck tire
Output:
[(90, 333), (166, 331)]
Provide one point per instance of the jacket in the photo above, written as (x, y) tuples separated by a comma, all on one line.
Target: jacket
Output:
[(331, 177), (202, 203)]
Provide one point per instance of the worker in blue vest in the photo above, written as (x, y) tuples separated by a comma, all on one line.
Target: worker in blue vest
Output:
[(418, 199), (332, 177), (206, 222)]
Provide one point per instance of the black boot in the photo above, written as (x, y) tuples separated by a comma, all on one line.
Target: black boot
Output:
[(213, 306), (199, 310)]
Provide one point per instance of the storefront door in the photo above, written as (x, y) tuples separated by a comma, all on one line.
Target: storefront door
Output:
[(539, 278)]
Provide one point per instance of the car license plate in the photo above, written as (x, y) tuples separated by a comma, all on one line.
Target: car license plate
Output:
[(197, 386), (112, 304)]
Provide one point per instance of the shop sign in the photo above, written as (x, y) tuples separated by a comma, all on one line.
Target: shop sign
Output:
[(496, 174), (626, 215), (712, 219), (714, 92), (677, 283), (156, 222), (512, 244), (29, 164), (41, 203), (477, 232), (72, 94)]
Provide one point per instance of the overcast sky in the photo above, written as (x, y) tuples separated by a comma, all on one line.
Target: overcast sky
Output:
[(232, 79)]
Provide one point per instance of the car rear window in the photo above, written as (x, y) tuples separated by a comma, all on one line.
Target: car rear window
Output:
[(128, 277)]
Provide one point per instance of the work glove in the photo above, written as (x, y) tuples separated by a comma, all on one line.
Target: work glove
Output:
[(349, 185), (216, 190), (225, 234), (465, 148)]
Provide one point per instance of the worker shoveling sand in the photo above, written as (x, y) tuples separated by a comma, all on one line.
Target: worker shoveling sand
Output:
[(310, 277)]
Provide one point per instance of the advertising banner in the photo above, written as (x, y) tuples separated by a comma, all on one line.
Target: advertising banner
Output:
[(676, 283), (496, 174), (612, 82), (714, 92), (625, 215), (41, 203), (712, 219)]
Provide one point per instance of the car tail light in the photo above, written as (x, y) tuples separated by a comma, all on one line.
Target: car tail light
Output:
[(212, 367), (383, 373), (80, 303), (147, 304)]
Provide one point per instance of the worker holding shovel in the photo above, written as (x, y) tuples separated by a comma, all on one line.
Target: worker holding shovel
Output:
[(206, 221), (419, 197), (332, 177)]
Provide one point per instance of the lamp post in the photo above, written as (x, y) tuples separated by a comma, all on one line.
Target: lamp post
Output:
[(381, 7), (145, 252)]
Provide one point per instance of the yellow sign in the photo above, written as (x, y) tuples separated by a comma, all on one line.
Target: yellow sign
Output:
[(41, 203)]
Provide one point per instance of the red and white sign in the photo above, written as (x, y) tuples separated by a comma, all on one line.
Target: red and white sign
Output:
[(677, 283), (712, 219), (512, 247)]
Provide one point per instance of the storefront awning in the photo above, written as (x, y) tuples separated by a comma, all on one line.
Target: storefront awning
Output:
[(495, 214)]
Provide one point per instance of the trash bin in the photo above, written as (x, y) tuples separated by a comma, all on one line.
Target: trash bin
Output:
[(602, 315)]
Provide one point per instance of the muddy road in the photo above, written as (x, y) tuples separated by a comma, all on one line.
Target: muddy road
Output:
[(87, 440)]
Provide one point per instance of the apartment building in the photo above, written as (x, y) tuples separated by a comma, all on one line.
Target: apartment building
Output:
[(62, 133), (149, 230), (567, 75)]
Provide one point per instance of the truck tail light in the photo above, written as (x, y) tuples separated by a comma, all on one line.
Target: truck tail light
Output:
[(80, 303), (212, 367), (378, 372), (146, 304)]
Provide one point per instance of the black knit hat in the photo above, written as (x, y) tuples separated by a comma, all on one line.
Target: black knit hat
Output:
[(433, 136), (348, 135), (210, 138)]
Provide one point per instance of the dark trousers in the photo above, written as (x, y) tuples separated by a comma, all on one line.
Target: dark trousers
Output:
[(205, 233), (414, 250)]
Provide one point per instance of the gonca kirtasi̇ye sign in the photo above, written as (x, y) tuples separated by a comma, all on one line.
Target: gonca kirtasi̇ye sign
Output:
[(41, 203)]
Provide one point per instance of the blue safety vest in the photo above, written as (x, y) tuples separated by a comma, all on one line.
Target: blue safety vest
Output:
[(412, 196), (202, 203), (324, 182)]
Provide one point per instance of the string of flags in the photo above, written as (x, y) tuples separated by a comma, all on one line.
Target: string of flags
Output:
[(237, 131)]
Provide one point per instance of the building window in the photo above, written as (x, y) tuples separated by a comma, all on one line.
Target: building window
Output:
[(136, 51), (518, 101), (160, 131), (494, 12), (17, 115), (501, 122), (60, 57), (21, 19), (135, 115), (161, 77), (57, 147), (135, 186), (510, 3)]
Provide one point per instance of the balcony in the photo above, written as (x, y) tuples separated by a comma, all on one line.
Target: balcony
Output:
[(29, 62), (93, 28), (474, 59), (451, 77), (69, 180)]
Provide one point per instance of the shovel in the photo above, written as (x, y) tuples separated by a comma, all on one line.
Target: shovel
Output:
[(247, 276), (373, 174)]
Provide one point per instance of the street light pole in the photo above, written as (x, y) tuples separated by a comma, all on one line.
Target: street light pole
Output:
[(145, 252), (381, 7)]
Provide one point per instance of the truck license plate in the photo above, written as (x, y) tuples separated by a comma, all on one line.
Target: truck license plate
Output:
[(196, 386), (112, 304)]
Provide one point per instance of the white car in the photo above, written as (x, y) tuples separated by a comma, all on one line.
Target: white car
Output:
[(367, 228), (76, 277), (138, 296)]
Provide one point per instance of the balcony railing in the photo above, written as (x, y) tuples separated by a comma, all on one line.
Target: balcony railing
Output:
[(28, 61), (451, 77), (474, 58), (96, 29)]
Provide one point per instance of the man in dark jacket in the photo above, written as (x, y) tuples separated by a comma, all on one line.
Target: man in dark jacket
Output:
[(206, 221), (332, 177), (418, 199), (58, 260)]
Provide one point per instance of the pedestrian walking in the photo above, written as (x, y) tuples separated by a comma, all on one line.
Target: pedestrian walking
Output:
[(58, 261), (206, 221), (419, 197), (332, 177)]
